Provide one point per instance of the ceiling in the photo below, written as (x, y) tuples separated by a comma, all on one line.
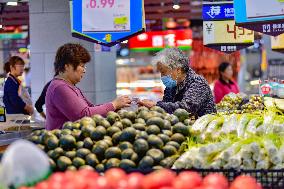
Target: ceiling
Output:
[(158, 9), (155, 11)]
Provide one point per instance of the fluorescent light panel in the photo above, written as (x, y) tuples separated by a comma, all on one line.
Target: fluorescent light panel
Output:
[(12, 3)]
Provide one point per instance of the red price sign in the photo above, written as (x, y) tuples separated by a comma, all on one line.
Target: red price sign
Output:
[(238, 31), (96, 4)]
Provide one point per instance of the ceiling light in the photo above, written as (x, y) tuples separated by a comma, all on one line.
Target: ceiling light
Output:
[(176, 4), (176, 7), (1, 26), (12, 3)]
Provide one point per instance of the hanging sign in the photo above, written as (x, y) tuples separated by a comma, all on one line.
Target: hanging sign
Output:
[(277, 43), (265, 16), (107, 22), (157, 40), (219, 29)]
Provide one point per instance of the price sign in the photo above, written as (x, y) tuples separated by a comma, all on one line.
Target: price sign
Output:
[(219, 29), (2, 114), (224, 32), (255, 15), (107, 22), (115, 14), (277, 43)]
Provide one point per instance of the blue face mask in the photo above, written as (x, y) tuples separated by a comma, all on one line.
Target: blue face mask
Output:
[(168, 81)]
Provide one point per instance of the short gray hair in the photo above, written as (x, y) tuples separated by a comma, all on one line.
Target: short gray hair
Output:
[(172, 58)]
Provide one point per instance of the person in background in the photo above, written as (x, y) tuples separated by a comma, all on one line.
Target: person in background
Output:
[(64, 101), (41, 101), (184, 88), (225, 84), (16, 99)]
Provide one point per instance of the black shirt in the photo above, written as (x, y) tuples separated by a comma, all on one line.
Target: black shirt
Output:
[(41, 100)]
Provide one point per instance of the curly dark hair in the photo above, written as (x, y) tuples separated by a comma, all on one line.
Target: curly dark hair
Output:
[(12, 62), (72, 54)]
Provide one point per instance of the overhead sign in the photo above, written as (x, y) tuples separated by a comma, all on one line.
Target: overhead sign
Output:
[(219, 29), (157, 40), (277, 43), (218, 11), (107, 22), (265, 16)]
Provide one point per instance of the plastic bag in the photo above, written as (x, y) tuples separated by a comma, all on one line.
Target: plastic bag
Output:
[(23, 163), (134, 105)]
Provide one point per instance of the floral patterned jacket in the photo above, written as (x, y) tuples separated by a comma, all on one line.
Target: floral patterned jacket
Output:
[(193, 95)]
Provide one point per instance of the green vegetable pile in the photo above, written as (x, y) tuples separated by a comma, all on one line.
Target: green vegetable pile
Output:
[(144, 139), (252, 153), (212, 127)]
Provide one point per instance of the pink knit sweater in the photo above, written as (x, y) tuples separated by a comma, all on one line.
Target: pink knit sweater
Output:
[(65, 102)]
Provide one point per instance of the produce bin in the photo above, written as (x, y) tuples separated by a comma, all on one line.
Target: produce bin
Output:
[(269, 179)]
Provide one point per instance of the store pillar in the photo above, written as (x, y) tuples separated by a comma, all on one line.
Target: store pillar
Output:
[(49, 29)]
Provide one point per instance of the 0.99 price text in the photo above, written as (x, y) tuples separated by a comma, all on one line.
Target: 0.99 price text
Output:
[(96, 4)]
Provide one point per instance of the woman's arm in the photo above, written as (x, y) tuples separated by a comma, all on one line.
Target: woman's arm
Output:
[(218, 92)]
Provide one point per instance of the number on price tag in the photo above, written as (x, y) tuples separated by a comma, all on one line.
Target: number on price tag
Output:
[(93, 4)]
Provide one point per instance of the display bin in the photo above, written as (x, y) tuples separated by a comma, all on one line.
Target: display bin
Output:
[(269, 179)]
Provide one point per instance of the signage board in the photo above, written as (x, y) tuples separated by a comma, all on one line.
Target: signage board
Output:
[(107, 22), (219, 29), (265, 16), (157, 40), (277, 43)]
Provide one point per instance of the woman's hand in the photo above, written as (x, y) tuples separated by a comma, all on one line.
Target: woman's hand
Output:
[(29, 109), (121, 102), (147, 103)]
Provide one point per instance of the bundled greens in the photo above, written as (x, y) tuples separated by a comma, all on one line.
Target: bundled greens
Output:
[(212, 127), (265, 152)]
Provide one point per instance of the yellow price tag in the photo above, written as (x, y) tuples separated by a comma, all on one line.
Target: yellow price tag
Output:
[(2, 110), (121, 20), (108, 38)]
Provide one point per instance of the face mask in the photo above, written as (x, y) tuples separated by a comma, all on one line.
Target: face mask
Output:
[(168, 81)]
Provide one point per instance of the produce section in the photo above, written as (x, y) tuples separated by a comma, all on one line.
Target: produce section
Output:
[(145, 139), (244, 135)]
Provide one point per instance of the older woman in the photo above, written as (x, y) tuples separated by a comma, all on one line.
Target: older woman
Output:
[(64, 101), (184, 88)]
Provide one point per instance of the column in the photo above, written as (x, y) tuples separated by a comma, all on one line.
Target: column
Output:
[(49, 29)]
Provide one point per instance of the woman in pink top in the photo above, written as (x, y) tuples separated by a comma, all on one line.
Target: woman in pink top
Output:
[(225, 85), (64, 101)]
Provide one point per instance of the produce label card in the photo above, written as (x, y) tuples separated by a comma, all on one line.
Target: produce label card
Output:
[(105, 15), (213, 30), (264, 8)]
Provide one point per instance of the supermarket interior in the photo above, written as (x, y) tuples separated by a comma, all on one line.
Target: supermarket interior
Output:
[(141, 94)]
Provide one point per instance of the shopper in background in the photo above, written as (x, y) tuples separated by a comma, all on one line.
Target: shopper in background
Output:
[(16, 98), (225, 84), (41, 101), (184, 88), (66, 102)]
